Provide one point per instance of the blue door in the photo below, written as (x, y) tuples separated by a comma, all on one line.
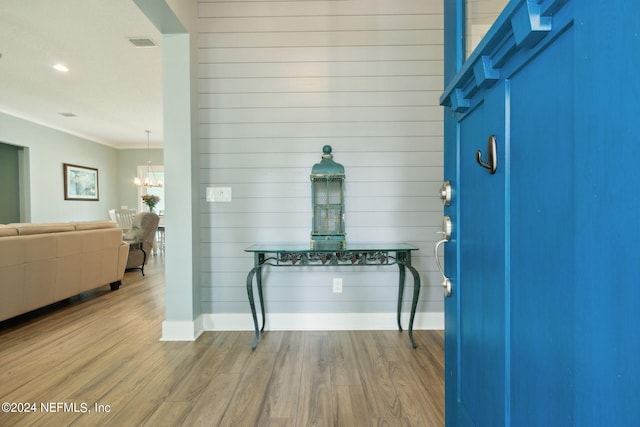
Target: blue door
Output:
[(542, 320), (476, 345)]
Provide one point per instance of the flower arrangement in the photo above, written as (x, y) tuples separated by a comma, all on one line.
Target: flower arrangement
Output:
[(151, 200)]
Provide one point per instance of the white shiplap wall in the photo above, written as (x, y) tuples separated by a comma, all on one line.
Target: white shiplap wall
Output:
[(280, 79)]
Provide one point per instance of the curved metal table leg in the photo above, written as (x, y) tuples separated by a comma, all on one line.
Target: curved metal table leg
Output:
[(259, 282), (253, 305), (414, 304), (400, 293), (416, 294)]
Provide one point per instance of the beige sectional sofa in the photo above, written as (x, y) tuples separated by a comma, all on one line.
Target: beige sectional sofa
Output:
[(44, 263)]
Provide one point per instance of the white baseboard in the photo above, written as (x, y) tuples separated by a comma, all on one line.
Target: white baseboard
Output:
[(182, 330), (190, 331), (321, 321)]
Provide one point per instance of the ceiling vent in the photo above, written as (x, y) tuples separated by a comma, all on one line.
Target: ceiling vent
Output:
[(142, 42)]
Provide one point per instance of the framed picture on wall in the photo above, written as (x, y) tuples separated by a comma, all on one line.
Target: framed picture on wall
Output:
[(80, 182)]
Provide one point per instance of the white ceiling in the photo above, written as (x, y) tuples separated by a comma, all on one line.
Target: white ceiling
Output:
[(113, 88)]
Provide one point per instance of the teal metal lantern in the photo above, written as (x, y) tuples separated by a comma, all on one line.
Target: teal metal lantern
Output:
[(327, 196)]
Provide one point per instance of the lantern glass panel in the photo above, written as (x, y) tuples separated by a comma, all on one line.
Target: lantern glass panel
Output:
[(327, 197), (327, 209)]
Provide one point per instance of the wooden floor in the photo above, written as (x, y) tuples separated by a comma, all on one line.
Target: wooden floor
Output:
[(97, 360)]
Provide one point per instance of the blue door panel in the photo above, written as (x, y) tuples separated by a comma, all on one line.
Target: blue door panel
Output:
[(481, 283), (607, 135), (542, 237)]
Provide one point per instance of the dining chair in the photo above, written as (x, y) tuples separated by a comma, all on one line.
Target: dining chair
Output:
[(124, 217)]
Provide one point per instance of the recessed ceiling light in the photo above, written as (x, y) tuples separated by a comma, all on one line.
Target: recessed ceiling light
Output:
[(62, 68)]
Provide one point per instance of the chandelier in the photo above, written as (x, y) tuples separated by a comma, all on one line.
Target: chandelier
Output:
[(149, 180)]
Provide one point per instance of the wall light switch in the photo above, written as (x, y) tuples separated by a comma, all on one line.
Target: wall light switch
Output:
[(218, 194)]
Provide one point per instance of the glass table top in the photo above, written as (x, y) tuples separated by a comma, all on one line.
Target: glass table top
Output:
[(300, 247)]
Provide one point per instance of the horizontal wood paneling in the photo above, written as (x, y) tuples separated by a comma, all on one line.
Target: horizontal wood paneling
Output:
[(320, 53), (282, 160), (411, 67), (316, 8), (323, 38), (286, 175), (293, 206), (294, 219), (371, 98), (249, 235), (280, 79), (321, 130), (352, 291), (295, 190), (319, 84), (356, 144), (303, 24), (310, 306), (316, 114)]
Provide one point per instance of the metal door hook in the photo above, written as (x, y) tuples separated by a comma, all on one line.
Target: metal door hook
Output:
[(492, 153)]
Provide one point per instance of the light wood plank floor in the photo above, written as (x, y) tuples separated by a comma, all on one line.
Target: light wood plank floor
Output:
[(100, 355)]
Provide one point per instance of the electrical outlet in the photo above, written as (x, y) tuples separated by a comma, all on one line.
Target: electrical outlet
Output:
[(337, 285), (218, 194)]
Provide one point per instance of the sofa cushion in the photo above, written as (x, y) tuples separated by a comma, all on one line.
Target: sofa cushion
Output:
[(94, 225), (25, 229), (8, 230)]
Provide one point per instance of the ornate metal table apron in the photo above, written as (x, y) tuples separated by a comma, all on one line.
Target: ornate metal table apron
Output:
[(284, 255)]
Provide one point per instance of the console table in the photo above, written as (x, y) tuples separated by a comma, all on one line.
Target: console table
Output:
[(363, 254)]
